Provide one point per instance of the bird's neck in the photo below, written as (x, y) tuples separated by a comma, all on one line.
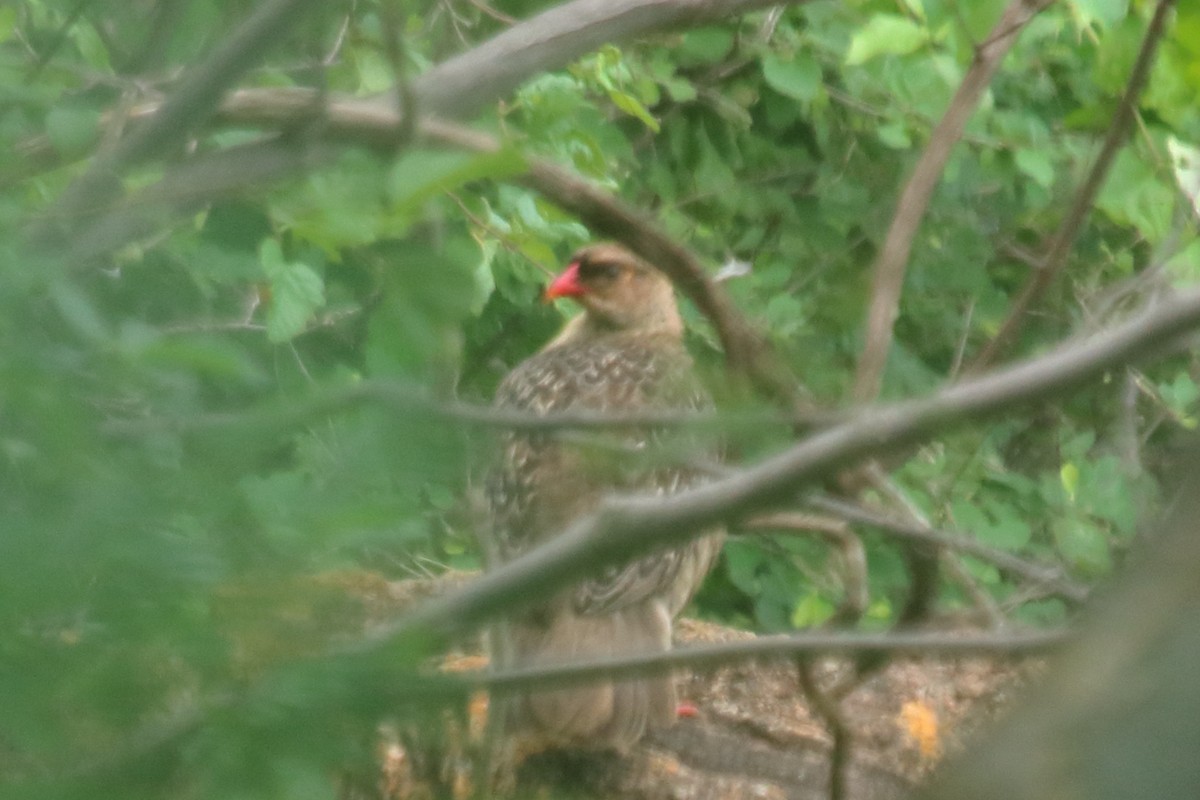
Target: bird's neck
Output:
[(589, 327)]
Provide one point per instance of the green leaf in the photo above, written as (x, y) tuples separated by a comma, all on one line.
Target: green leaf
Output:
[(1106, 492), (1043, 613), (337, 207), (274, 499), (880, 610), (999, 525), (786, 314), (416, 328), (375, 73), (798, 77), (78, 310), (1180, 394), (632, 106), (978, 17), (420, 175), (742, 560), (1083, 544), (1135, 195), (679, 90), (1068, 476), (1184, 266), (8, 22), (485, 282), (811, 610), (895, 135), (1036, 164), (705, 46), (1116, 53), (885, 34), (916, 8), (1185, 162), (297, 291), (91, 45), (72, 130), (1101, 12)]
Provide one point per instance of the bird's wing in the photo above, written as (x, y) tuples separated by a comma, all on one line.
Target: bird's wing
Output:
[(544, 481)]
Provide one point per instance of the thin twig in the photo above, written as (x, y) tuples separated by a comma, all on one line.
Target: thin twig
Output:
[(892, 263), (495, 14), (340, 39), (623, 528), (155, 739), (922, 562), (461, 86), (805, 646), (1050, 578), (395, 49), (190, 105), (830, 712), (1055, 258), (853, 556), (506, 240), (412, 398)]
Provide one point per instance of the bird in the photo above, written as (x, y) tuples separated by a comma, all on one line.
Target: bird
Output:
[(624, 353)]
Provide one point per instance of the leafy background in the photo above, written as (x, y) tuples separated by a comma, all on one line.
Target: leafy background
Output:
[(184, 439)]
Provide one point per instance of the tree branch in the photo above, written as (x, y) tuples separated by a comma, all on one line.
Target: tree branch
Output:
[(799, 646), (377, 126), (853, 565), (460, 87), (1054, 261), (746, 352), (188, 107), (412, 399), (892, 262), (1128, 676), (829, 710), (155, 740), (623, 528), (1047, 577)]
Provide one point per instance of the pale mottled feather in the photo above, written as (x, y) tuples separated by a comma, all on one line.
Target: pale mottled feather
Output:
[(616, 358)]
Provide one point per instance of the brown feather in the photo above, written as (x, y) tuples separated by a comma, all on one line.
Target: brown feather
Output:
[(624, 353)]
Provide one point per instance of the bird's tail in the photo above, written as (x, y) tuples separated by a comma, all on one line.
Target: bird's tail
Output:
[(605, 712)]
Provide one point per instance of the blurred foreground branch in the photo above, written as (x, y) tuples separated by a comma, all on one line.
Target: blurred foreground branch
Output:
[(1118, 715), (624, 527)]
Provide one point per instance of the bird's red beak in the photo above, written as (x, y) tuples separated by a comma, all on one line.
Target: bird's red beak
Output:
[(565, 285)]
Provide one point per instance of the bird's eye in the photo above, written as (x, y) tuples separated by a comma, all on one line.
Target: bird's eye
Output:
[(598, 270)]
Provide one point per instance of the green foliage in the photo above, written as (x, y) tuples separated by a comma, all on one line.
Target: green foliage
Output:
[(185, 454)]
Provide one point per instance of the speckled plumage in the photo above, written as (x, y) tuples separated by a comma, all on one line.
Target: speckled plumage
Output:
[(544, 481)]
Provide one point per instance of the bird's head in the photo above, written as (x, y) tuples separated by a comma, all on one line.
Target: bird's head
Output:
[(618, 291)]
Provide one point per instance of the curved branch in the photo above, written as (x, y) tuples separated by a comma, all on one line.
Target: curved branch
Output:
[(1054, 261), (191, 104), (746, 352), (460, 87), (269, 419), (892, 263), (829, 711), (378, 126), (1047, 577), (798, 646), (627, 527)]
